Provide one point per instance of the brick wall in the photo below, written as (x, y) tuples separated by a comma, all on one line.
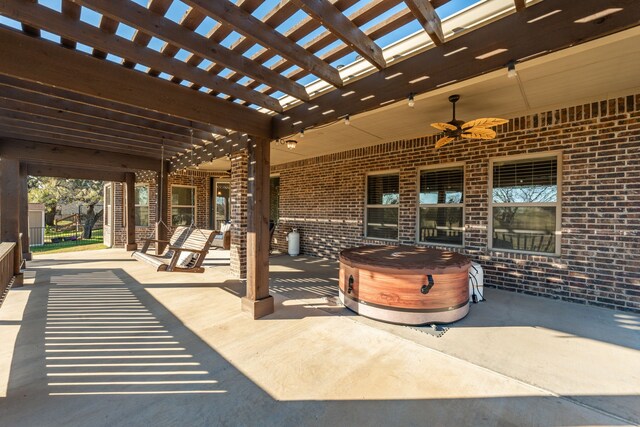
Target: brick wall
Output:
[(199, 179), (239, 177), (600, 245)]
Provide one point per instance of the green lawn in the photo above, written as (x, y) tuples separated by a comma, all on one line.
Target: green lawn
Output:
[(95, 242)]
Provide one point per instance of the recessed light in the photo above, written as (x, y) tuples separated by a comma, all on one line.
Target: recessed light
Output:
[(351, 92), (313, 107), (393, 76), (387, 102), (546, 15), (285, 118), (298, 122), (367, 97), (598, 15), (490, 54), (446, 83), (324, 113), (419, 79), (453, 52)]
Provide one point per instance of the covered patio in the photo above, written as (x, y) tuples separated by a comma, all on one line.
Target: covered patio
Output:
[(98, 340), (252, 119)]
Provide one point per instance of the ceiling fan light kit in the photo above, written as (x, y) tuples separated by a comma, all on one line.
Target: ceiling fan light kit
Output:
[(474, 129)]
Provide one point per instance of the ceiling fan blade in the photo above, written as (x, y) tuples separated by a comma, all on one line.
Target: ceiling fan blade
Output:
[(443, 141), (444, 126), (484, 122), (479, 133)]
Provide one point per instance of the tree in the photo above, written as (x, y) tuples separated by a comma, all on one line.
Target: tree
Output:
[(53, 192), (89, 193)]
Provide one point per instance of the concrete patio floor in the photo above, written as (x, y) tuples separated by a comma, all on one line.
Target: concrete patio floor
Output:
[(98, 339)]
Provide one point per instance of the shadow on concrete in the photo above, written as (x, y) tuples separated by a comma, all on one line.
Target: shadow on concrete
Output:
[(95, 348)]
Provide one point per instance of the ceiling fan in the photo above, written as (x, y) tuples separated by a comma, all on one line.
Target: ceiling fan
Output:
[(474, 129)]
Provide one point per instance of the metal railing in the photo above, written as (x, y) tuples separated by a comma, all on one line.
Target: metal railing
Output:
[(48, 236)]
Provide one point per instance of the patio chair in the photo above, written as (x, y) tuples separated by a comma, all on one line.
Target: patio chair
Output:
[(222, 238), (186, 252)]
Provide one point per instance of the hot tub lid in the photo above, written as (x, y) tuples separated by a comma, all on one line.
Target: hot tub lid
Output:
[(408, 259)]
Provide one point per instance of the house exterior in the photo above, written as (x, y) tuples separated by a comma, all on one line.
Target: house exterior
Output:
[(583, 250)]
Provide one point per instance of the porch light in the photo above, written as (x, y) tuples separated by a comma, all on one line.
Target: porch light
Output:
[(291, 143)]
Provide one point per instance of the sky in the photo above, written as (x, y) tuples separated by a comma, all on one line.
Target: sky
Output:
[(178, 9)]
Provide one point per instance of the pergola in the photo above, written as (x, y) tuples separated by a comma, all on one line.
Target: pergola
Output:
[(99, 105)]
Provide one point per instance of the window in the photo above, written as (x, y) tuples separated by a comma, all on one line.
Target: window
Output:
[(524, 208), (381, 214), (141, 203), (441, 206), (107, 205), (183, 205)]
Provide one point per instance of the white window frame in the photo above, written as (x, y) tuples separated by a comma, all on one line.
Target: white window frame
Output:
[(443, 166), (557, 204), (367, 206), (136, 205), (108, 206), (195, 202)]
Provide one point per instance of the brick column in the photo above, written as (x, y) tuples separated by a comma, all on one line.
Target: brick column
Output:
[(239, 176)]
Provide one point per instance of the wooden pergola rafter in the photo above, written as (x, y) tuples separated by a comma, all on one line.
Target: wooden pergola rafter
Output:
[(245, 75)]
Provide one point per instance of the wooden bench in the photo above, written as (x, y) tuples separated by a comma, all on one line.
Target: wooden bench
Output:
[(186, 252)]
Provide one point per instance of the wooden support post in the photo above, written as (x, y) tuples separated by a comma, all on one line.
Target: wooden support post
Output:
[(10, 211), (130, 181), (258, 302), (162, 209), (24, 212)]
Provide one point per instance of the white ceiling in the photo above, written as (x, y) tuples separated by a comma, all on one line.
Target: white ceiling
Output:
[(600, 69)]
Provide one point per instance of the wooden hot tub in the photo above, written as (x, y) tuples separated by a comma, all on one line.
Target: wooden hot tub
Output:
[(405, 284)]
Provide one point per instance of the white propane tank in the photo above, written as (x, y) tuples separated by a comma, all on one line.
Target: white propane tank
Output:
[(294, 242), (476, 278)]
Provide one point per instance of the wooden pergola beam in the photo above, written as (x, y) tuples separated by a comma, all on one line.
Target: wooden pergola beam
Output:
[(250, 26), (107, 26), (335, 21), (106, 42), (38, 169), (426, 14), (113, 138), (38, 133), (161, 27), (36, 152), (82, 117), (53, 97), (520, 5), (72, 11), (548, 35), (142, 39), (41, 61)]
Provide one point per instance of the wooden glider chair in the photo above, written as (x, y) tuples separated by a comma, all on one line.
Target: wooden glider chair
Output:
[(187, 250)]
